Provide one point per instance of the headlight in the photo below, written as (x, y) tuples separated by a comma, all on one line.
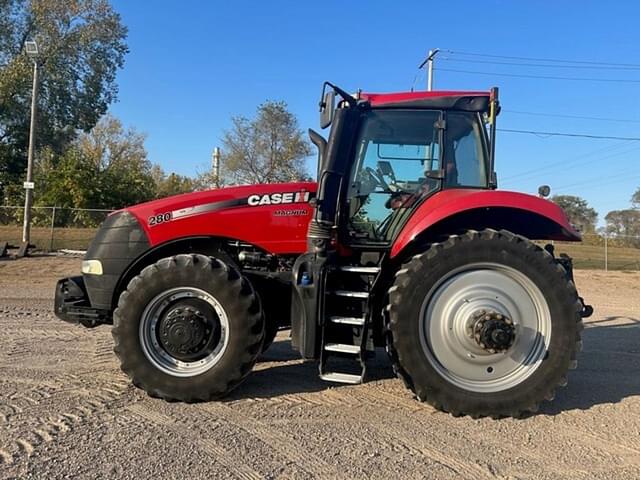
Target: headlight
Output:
[(92, 267)]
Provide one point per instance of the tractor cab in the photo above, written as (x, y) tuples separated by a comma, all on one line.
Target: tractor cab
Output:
[(388, 153), (403, 156)]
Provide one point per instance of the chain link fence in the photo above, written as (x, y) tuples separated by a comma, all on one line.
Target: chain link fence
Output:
[(52, 228), (603, 252)]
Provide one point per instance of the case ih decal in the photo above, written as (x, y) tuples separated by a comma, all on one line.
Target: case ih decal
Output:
[(278, 198)]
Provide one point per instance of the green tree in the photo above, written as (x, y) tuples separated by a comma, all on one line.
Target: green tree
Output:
[(105, 168), (624, 224), (82, 45), (635, 199), (172, 184), (267, 149), (578, 211)]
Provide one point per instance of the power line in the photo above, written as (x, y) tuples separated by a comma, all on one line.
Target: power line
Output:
[(540, 65), (555, 167), (619, 178), (608, 152), (580, 117), (562, 134), (543, 77), (553, 60)]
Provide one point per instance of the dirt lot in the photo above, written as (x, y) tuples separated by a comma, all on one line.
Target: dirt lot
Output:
[(67, 411)]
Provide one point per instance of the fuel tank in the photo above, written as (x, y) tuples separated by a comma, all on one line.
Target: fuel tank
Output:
[(273, 217)]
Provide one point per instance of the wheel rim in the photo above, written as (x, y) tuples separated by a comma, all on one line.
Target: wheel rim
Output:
[(184, 331), (452, 319)]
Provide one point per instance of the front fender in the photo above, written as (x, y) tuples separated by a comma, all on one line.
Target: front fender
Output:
[(450, 211)]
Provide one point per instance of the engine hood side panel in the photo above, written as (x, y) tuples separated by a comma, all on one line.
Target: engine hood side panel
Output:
[(273, 217)]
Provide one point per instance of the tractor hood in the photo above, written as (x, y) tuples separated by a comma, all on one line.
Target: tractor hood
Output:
[(273, 217)]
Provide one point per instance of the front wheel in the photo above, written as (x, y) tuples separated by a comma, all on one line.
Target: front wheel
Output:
[(188, 328), (484, 324)]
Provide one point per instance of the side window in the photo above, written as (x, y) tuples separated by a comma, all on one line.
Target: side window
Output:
[(395, 152), (465, 155)]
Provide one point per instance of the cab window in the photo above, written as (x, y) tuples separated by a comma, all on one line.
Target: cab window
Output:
[(465, 152), (395, 151)]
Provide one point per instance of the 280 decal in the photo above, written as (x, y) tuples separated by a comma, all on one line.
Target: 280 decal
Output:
[(159, 218)]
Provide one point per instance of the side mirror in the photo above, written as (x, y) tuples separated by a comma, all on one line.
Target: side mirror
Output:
[(327, 106)]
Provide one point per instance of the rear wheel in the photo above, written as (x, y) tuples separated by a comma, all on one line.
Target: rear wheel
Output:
[(188, 328), (484, 324)]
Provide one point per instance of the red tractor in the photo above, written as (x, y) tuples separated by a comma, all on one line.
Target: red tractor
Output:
[(403, 243)]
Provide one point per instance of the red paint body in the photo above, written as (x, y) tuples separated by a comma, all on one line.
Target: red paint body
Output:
[(277, 234), (450, 202), (380, 99), (255, 225)]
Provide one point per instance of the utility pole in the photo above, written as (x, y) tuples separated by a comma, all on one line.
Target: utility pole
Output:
[(606, 253), (31, 48), (215, 164), (432, 54)]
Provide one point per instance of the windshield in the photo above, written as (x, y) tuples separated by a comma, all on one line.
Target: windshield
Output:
[(395, 153)]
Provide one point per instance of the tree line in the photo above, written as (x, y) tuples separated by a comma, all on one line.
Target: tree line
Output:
[(622, 226)]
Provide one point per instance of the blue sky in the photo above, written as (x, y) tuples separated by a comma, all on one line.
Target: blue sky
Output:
[(194, 64)]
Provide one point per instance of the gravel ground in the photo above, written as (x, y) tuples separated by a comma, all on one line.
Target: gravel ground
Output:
[(66, 410)]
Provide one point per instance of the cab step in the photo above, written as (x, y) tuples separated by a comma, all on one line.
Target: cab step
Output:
[(352, 294), (338, 377), (343, 348), (359, 269), (354, 321)]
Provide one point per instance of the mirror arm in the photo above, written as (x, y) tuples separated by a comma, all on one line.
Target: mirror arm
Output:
[(346, 96)]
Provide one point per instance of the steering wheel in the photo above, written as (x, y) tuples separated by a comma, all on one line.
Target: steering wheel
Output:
[(377, 177)]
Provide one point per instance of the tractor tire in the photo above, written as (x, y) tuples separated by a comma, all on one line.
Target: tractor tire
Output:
[(188, 328), (484, 324), (270, 331)]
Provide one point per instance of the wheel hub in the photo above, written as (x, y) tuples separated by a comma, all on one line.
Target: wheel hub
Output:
[(185, 332), (493, 331)]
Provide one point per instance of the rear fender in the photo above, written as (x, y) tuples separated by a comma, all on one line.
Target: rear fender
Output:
[(452, 211)]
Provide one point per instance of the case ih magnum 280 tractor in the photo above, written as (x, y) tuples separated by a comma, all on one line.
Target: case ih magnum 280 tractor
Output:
[(403, 242)]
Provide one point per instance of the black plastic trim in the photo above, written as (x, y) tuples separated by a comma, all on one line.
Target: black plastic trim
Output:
[(119, 241)]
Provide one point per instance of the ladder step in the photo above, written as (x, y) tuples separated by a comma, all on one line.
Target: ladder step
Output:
[(342, 348), (348, 293), (358, 269), (341, 377), (355, 321)]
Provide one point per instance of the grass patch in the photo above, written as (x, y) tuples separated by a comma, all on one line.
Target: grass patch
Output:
[(41, 237), (593, 256)]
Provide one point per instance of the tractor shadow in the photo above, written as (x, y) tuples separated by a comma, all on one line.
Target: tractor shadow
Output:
[(281, 371), (608, 370), (608, 367)]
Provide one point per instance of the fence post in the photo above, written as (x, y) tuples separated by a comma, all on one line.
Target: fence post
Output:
[(53, 222), (606, 253)]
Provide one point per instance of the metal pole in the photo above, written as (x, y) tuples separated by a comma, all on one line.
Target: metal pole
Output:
[(432, 54), (216, 167), (53, 224), (28, 198), (606, 254)]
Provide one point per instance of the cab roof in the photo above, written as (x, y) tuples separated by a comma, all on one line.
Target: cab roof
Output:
[(446, 99)]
